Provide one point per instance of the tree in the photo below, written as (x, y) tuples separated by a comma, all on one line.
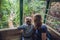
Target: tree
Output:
[(6, 7)]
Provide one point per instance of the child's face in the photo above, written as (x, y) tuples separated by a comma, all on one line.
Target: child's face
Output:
[(28, 21)]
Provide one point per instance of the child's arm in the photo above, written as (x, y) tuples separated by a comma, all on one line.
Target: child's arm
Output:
[(21, 27)]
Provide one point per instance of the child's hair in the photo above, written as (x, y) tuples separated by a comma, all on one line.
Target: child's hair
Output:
[(28, 18)]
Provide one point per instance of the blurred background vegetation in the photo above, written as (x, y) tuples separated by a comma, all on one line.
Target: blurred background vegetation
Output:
[(10, 11), (8, 8)]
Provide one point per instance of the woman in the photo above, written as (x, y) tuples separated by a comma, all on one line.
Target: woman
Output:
[(39, 29)]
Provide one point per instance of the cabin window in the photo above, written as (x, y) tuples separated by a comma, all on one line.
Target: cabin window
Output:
[(9, 15), (53, 16), (30, 7)]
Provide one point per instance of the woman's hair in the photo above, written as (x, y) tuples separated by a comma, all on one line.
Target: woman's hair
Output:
[(37, 20)]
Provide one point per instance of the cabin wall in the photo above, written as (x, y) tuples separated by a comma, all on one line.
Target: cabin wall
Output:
[(14, 34), (10, 35)]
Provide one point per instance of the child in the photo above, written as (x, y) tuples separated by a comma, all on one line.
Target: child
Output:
[(27, 28)]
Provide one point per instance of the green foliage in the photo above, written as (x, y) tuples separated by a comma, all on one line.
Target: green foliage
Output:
[(6, 7), (13, 5), (37, 6)]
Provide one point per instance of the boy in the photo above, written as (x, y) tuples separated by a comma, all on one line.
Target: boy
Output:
[(27, 28)]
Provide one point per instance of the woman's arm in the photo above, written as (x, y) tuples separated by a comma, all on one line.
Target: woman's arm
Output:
[(44, 32), (44, 36)]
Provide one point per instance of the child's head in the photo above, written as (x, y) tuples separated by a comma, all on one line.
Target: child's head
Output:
[(28, 20)]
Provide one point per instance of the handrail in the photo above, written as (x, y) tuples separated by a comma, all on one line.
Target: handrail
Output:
[(53, 30), (16, 28), (5, 29)]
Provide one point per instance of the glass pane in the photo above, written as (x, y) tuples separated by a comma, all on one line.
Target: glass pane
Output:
[(9, 15), (53, 16), (34, 6)]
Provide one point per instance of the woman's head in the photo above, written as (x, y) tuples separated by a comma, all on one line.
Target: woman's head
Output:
[(37, 20)]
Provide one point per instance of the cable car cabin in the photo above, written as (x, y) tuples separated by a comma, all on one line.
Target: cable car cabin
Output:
[(12, 17)]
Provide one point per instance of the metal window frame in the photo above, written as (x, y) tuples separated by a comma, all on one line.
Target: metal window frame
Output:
[(47, 7), (21, 10)]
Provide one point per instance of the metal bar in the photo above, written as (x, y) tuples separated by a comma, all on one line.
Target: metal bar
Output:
[(21, 12), (47, 6)]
